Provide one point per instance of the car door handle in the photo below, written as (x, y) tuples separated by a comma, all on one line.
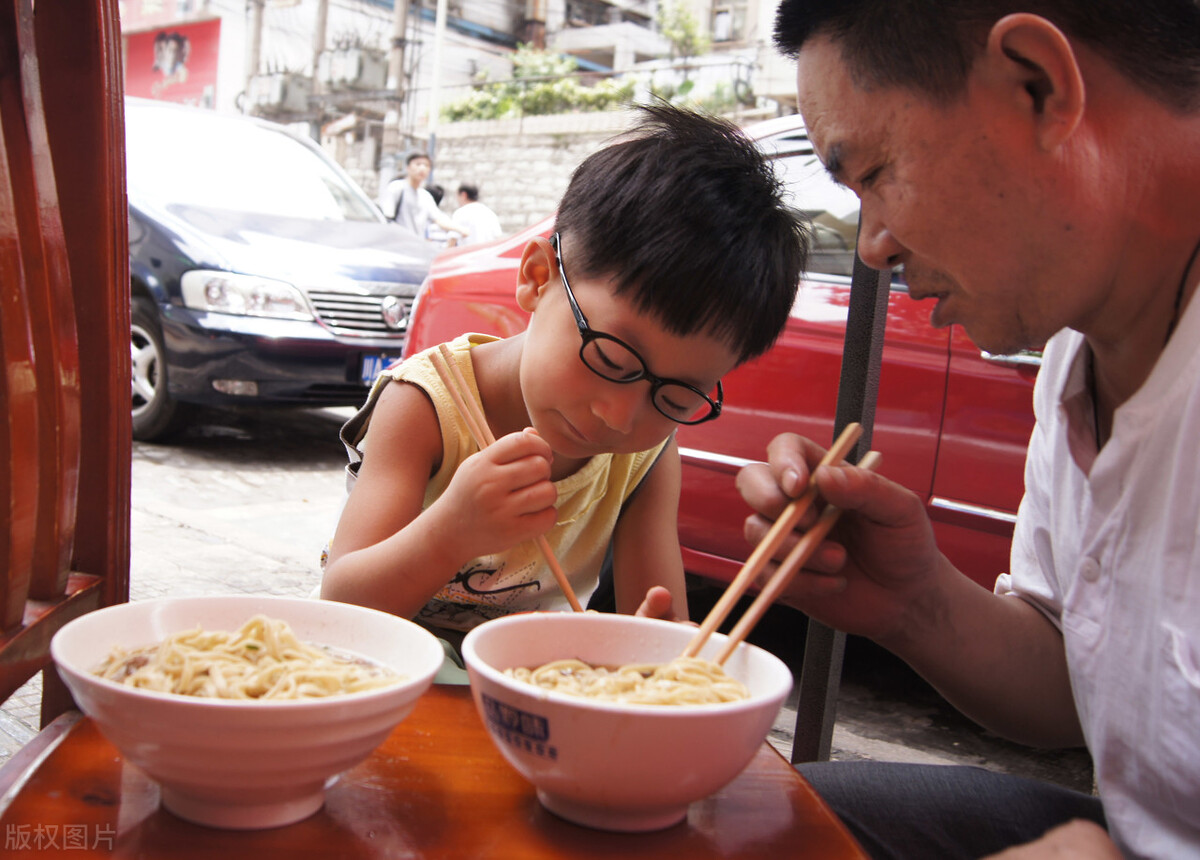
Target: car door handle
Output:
[(1024, 358)]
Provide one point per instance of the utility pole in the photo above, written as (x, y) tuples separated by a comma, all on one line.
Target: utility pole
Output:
[(318, 43), (435, 95), (253, 49), (399, 40), (318, 48), (397, 82)]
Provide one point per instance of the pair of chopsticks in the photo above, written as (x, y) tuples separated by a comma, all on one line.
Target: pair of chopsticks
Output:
[(476, 421), (790, 566)]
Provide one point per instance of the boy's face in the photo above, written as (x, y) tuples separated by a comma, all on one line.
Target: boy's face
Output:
[(579, 413)]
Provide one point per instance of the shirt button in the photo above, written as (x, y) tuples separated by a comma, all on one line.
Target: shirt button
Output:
[(1089, 569)]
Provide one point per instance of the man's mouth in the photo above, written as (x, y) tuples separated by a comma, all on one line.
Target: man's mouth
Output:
[(938, 316)]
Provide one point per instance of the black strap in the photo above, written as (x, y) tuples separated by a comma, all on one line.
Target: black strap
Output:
[(858, 389), (399, 202)]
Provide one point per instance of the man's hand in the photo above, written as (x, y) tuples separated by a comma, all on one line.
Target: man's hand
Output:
[(879, 557), (1076, 840)]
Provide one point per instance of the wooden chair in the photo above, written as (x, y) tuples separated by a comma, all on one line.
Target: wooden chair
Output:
[(65, 436)]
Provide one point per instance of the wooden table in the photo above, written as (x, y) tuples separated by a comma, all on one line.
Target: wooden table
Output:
[(437, 788)]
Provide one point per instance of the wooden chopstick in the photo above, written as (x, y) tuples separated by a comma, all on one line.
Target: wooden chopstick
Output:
[(796, 559), (460, 391), (770, 542)]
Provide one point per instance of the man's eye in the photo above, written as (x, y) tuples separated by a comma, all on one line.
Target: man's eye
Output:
[(868, 179)]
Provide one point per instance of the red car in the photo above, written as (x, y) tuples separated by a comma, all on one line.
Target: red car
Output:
[(952, 423)]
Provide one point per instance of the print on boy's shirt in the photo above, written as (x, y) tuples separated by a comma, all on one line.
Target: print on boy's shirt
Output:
[(463, 577), (480, 592)]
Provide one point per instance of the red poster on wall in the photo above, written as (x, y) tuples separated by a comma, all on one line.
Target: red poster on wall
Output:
[(177, 63)]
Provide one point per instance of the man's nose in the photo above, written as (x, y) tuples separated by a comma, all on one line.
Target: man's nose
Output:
[(877, 247)]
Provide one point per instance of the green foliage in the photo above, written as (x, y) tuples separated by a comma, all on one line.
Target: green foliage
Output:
[(679, 26), (542, 83)]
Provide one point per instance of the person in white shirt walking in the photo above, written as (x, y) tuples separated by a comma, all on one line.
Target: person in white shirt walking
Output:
[(406, 201), (476, 219)]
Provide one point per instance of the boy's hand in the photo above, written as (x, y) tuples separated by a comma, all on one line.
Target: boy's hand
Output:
[(500, 496), (659, 604)]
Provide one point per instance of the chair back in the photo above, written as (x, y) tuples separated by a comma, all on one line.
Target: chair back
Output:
[(65, 435)]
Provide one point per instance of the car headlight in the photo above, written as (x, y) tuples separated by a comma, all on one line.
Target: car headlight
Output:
[(245, 295)]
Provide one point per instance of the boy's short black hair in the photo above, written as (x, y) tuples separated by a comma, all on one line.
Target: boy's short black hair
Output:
[(688, 219)]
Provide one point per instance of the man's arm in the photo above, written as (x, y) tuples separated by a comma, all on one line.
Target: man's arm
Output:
[(880, 575)]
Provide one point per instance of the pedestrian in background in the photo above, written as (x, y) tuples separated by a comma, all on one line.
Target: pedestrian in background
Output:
[(409, 204), (476, 219)]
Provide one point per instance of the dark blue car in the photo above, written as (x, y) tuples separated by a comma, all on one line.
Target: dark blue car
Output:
[(262, 274)]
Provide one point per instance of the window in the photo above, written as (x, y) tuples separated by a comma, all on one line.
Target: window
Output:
[(832, 207)]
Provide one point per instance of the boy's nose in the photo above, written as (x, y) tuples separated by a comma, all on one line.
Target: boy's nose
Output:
[(620, 406)]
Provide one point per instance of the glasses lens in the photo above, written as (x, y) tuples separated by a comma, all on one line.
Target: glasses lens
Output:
[(680, 403), (612, 360)]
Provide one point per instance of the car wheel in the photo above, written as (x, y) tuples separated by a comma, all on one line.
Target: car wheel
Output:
[(156, 415)]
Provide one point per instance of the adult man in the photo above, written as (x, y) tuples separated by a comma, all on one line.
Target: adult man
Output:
[(476, 218), (406, 201), (1033, 166)]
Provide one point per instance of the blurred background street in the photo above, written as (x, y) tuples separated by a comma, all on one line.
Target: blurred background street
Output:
[(244, 502)]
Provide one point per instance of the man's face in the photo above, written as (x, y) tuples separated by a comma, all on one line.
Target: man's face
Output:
[(418, 170), (957, 194)]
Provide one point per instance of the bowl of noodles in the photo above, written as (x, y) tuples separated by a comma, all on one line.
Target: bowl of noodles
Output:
[(243, 708), (612, 731)]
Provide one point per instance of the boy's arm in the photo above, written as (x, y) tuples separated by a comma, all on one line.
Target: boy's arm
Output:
[(646, 540), (390, 554), (374, 559)]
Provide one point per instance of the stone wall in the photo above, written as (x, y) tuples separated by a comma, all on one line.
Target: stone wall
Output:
[(521, 166)]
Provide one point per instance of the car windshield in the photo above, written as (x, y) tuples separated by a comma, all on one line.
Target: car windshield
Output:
[(206, 160)]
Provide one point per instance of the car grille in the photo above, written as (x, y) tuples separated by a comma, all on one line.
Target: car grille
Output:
[(350, 314)]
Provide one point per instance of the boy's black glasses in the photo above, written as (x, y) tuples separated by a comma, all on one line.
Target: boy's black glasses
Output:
[(613, 359)]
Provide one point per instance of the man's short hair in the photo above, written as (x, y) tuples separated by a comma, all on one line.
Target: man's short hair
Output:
[(413, 156), (929, 45), (472, 191), (688, 220)]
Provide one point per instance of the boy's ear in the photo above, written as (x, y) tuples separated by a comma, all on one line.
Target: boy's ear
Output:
[(1034, 63), (534, 272)]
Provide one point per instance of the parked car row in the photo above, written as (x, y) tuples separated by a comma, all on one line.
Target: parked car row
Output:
[(261, 273), (952, 423)]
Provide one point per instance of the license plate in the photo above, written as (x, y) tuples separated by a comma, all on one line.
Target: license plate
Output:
[(372, 364)]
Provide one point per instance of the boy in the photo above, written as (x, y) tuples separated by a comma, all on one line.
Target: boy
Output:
[(673, 260)]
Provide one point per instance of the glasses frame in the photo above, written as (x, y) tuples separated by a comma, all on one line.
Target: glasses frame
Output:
[(589, 334)]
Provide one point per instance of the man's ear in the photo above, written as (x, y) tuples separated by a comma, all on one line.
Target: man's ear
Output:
[(1032, 59), (534, 273)]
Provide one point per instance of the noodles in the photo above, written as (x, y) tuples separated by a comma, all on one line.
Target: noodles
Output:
[(683, 681), (262, 660)]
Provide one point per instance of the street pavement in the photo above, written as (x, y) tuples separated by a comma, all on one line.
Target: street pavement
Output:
[(244, 503)]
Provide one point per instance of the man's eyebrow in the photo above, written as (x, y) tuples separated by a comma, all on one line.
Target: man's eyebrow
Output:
[(833, 162)]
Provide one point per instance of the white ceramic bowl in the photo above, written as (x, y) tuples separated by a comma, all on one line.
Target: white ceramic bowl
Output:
[(245, 765), (611, 766)]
